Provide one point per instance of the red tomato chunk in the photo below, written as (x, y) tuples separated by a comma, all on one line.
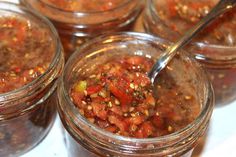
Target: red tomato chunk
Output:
[(26, 51), (118, 97)]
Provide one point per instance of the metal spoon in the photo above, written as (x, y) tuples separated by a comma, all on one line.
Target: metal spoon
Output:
[(220, 8)]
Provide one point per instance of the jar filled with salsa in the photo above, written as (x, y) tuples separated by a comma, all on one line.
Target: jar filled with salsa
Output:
[(214, 47), (31, 59), (78, 21), (108, 107)]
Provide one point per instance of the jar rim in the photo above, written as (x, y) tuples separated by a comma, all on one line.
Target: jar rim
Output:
[(205, 112), (229, 60), (24, 90), (80, 13)]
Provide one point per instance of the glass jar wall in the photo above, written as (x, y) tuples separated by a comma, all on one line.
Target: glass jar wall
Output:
[(214, 47), (90, 133), (79, 21), (31, 59)]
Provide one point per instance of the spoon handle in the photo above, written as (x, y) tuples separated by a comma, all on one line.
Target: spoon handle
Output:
[(221, 7)]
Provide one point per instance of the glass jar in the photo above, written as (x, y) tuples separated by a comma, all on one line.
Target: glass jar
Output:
[(85, 20), (31, 59), (214, 47), (85, 139)]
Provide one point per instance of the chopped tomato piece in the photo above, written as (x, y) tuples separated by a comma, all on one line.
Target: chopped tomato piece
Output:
[(117, 110), (157, 121), (98, 99), (145, 130), (150, 100), (123, 97), (171, 6), (93, 89), (103, 123), (99, 110), (136, 120), (111, 128), (121, 124), (141, 79), (77, 99)]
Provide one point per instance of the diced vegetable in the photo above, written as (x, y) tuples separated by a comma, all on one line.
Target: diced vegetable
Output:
[(119, 98), (80, 86)]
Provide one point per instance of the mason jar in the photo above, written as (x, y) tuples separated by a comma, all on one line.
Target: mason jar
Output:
[(91, 129), (79, 21), (31, 58), (214, 47)]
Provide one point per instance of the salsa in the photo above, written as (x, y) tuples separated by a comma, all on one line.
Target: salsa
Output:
[(224, 83), (181, 15), (79, 21), (85, 5), (221, 73), (214, 46), (118, 97), (24, 53)]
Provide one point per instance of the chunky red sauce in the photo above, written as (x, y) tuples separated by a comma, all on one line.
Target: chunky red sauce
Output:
[(177, 16), (77, 21), (118, 97), (181, 15), (85, 5), (26, 50)]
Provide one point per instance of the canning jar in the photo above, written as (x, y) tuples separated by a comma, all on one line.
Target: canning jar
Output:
[(31, 59), (78, 21), (214, 47), (106, 115)]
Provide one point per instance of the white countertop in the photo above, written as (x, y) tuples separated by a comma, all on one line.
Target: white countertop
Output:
[(219, 141)]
